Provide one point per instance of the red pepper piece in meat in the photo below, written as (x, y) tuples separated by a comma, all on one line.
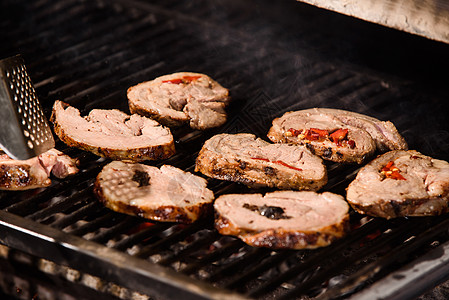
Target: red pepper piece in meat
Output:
[(320, 132), (388, 166), (280, 162), (396, 175), (338, 135), (174, 81), (184, 79), (189, 79), (314, 134), (391, 171), (294, 132)]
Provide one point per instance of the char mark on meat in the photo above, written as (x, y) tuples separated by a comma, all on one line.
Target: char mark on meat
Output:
[(165, 194), (283, 219), (35, 172), (401, 183), (181, 98), (255, 162), (112, 133), (337, 135)]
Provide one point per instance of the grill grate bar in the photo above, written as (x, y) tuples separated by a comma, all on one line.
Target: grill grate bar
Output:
[(141, 235), (246, 64), (394, 256), (327, 84), (100, 76), (356, 235), (253, 255), (86, 47), (94, 58), (115, 230), (380, 99), (340, 89), (339, 178), (14, 202), (220, 253), (68, 14), (42, 13), (176, 236), (359, 94), (119, 80), (320, 89), (389, 105), (95, 91), (62, 205), (30, 205), (199, 243), (337, 265), (317, 256), (11, 198), (239, 281), (102, 219), (223, 187), (77, 215)]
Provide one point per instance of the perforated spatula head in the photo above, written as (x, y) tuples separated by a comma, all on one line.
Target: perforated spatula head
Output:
[(24, 130)]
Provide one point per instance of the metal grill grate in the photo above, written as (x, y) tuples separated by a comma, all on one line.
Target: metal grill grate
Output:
[(89, 52)]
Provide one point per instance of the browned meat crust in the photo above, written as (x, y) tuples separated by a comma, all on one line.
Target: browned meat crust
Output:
[(167, 213), (181, 98), (34, 173), (20, 177), (401, 183), (337, 135), (70, 135), (167, 194), (254, 162), (293, 233)]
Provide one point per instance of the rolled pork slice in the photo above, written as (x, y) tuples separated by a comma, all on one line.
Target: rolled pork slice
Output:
[(181, 98), (112, 133), (401, 183), (283, 219), (337, 135), (35, 172), (165, 194), (250, 160)]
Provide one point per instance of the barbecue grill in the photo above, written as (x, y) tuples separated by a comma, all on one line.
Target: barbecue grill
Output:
[(273, 56)]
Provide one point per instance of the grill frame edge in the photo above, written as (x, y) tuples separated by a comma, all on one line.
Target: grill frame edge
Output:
[(109, 264)]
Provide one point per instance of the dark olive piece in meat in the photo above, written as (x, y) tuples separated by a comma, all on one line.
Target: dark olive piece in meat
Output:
[(141, 177)]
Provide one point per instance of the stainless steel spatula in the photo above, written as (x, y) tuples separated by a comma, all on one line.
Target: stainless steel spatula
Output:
[(24, 130)]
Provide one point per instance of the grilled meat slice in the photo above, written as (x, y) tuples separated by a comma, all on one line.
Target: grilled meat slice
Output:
[(167, 194), (255, 162), (112, 133), (384, 133), (401, 183), (35, 172), (283, 219), (337, 135), (181, 98)]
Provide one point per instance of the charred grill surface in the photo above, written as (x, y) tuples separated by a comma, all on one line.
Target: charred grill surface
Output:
[(273, 56)]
